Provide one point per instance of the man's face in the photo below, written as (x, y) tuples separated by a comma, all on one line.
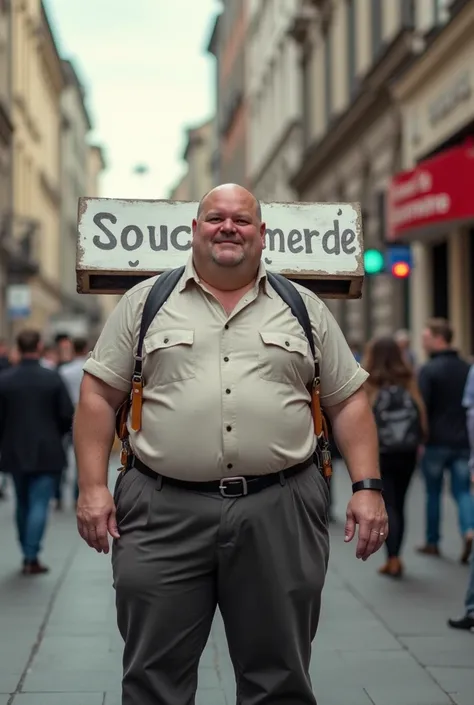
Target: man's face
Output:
[(428, 341), (228, 230)]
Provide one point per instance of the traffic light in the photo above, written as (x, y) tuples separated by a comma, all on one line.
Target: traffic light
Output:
[(374, 262), (399, 261)]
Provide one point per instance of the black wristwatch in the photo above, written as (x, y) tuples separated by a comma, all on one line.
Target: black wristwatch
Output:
[(374, 484)]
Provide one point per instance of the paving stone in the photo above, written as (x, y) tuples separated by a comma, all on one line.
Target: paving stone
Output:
[(453, 649), (9, 680), (59, 699), (455, 680), (71, 681)]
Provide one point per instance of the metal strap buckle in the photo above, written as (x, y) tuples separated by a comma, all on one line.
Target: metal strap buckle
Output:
[(227, 485)]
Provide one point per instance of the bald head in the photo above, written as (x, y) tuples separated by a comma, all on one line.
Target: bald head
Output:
[(230, 189)]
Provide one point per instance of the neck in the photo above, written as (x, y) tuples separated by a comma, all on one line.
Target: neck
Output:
[(30, 356)]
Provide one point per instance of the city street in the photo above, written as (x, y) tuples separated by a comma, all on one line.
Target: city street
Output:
[(379, 641)]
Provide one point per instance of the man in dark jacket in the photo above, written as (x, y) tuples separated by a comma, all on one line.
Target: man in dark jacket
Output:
[(442, 381), (35, 413)]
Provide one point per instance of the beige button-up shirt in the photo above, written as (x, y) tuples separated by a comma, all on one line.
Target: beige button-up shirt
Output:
[(224, 395)]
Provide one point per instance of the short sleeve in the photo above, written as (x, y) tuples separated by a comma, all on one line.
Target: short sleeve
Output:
[(111, 360), (341, 374)]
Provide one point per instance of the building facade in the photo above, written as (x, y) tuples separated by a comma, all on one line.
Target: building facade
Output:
[(350, 52), (78, 314), (431, 202), (273, 98), (6, 139), (96, 166), (198, 178), (228, 43), (37, 82)]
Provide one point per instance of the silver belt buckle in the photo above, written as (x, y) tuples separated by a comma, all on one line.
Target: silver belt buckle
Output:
[(226, 481)]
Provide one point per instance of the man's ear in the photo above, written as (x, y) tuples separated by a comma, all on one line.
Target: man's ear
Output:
[(263, 230), (194, 226)]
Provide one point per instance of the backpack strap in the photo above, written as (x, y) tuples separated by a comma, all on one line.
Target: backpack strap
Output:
[(157, 296), (293, 299)]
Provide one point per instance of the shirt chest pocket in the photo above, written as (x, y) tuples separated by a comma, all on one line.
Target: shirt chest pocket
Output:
[(170, 356), (283, 358)]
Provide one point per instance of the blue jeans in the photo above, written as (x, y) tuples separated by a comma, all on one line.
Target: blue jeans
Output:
[(33, 495), (435, 461)]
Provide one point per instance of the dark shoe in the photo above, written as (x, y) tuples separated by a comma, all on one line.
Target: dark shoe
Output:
[(429, 550), (465, 555), (34, 568), (466, 622)]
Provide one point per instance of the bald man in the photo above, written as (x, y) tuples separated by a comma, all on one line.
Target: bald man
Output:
[(226, 407)]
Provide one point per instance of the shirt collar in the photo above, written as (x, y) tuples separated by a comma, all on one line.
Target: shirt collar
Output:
[(190, 274)]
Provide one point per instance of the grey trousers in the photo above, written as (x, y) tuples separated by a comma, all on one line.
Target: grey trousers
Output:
[(262, 559)]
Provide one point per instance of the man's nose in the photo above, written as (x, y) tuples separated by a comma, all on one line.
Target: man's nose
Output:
[(228, 225)]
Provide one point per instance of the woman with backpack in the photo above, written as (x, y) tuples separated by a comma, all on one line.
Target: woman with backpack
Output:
[(402, 426)]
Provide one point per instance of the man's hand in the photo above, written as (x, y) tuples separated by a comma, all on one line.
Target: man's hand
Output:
[(96, 517), (367, 509)]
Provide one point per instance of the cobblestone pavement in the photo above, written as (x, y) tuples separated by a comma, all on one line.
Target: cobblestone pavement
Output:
[(379, 641)]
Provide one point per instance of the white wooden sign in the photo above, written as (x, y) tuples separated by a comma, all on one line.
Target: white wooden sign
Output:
[(121, 242)]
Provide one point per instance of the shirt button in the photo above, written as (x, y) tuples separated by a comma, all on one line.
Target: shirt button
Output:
[(226, 326), (166, 340), (287, 343), (226, 359), (229, 466), (229, 428), (227, 391)]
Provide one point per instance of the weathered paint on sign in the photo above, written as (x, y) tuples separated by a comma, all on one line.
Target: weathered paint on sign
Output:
[(303, 240)]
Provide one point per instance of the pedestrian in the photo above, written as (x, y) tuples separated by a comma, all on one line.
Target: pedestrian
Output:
[(467, 620), (403, 340), (442, 381), (72, 373), (222, 503), (400, 416), (35, 413)]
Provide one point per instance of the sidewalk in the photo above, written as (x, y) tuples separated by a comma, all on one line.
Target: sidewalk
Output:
[(380, 642)]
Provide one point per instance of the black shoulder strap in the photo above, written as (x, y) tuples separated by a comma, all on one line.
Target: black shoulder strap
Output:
[(157, 296), (293, 299)]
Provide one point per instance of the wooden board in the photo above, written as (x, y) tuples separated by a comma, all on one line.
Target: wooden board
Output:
[(123, 242)]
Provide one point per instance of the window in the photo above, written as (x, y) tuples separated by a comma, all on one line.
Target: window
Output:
[(440, 12), (351, 47), (328, 75), (408, 14), (377, 28)]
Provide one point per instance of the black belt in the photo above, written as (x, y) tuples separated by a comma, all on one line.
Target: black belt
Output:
[(229, 487)]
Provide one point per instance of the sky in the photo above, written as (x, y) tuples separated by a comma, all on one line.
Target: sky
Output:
[(148, 77)]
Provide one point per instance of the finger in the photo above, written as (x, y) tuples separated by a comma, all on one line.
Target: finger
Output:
[(373, 544), (102, 537), (112, 526), (349, 529), (364, 538), (84, 532), (94, 533)]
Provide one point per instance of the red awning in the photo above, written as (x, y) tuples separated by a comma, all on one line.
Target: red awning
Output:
[(437, 192)]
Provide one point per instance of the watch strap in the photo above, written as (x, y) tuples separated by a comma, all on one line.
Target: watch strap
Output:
[(369, 484)]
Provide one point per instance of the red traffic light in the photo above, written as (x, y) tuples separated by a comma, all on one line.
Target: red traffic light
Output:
[(401, 270)]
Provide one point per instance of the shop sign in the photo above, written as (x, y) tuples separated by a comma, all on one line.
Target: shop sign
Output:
[(439, 190), (18, 301)]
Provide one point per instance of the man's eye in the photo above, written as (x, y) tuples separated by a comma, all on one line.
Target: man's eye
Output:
[(242, 221)]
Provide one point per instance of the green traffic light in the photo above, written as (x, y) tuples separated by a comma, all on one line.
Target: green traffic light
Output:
[(374, 261)]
